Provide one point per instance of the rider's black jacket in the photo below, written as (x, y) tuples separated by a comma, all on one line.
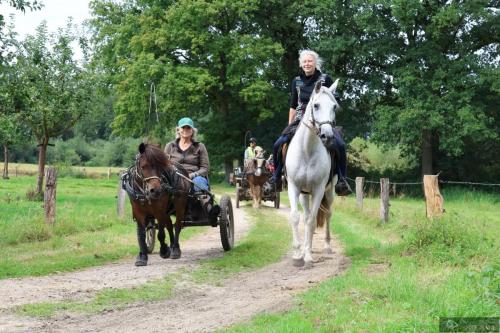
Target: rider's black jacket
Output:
[(305, 84)]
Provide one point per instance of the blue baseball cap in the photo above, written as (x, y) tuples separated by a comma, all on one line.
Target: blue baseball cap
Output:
[(185, 122)]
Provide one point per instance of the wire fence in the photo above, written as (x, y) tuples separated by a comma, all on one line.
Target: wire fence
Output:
[(420, 183)]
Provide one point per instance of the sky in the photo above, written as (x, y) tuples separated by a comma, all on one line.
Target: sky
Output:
[(55, 12)]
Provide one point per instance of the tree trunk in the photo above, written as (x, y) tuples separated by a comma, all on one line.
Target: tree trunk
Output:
[(42, 155), (5, 162), (427, 161)]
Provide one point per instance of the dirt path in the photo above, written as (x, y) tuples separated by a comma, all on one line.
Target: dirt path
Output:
[(194, 307)]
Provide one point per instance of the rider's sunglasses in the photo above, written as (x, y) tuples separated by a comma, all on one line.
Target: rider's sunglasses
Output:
[(186, 127)]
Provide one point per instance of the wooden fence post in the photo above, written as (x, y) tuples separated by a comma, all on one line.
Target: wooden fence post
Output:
[(360, 182), (49, 197), (433, 199), (109, 173), (16, 170), (121, 199), (384, 199)]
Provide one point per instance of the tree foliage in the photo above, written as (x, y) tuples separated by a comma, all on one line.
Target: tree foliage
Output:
[(206, 59), (437, 56), (55, 90), (420, 74)]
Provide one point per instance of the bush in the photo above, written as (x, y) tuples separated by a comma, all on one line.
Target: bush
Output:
[(375, 159), (77, 151), (63, 152), (115, 152), (66, 170)]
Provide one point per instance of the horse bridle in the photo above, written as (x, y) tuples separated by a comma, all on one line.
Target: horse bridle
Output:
[(316, 125), (140, 176)]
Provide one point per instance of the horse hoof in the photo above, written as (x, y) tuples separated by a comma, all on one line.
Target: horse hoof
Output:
[(308, 264), (298, 262), (165, 252), (141, 260), (176, 253)]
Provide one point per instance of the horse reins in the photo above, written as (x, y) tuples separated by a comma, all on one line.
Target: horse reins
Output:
[(316, 125), (130, 183)]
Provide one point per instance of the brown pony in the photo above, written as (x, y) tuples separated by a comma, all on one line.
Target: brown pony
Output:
[(155, 191), (257, 175)]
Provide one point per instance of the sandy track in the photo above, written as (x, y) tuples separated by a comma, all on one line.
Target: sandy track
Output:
[(193, 308)]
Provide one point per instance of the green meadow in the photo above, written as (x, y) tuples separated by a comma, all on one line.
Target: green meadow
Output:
[(87, 231), (405, 274)]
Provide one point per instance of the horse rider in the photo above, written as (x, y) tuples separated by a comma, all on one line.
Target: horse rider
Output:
[(250, 151), (192, 156), (302, 88)]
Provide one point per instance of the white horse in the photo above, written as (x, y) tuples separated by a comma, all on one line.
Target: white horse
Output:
[(308, 166)]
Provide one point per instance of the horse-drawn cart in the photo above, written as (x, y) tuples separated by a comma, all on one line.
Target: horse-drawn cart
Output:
[(243, 192), (197, 215)]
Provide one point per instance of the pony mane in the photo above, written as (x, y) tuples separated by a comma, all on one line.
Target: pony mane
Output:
[(156, 157)]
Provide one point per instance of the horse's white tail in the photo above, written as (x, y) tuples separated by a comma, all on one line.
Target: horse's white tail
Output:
[(323, 212)]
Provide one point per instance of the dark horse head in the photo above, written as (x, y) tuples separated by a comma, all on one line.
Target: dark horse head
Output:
[(151, 163)]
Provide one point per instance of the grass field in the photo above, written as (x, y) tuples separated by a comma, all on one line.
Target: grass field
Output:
[(405, 274), (87, 231)]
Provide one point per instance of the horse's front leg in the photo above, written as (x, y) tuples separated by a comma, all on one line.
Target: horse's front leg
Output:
[(256, 196), (304, 202), (164, 248), (180, 208), (293, 195), (310, 225), (261, 193), (142, 257), (253, 193)]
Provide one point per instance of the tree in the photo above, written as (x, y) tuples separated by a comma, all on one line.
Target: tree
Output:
[(55, 91), (9, 124), (11, 131), (340, 33), (206, 59), (438, 54)]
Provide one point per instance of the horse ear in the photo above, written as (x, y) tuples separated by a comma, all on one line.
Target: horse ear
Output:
[(142, 148), (317, 87), (334, 86)]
